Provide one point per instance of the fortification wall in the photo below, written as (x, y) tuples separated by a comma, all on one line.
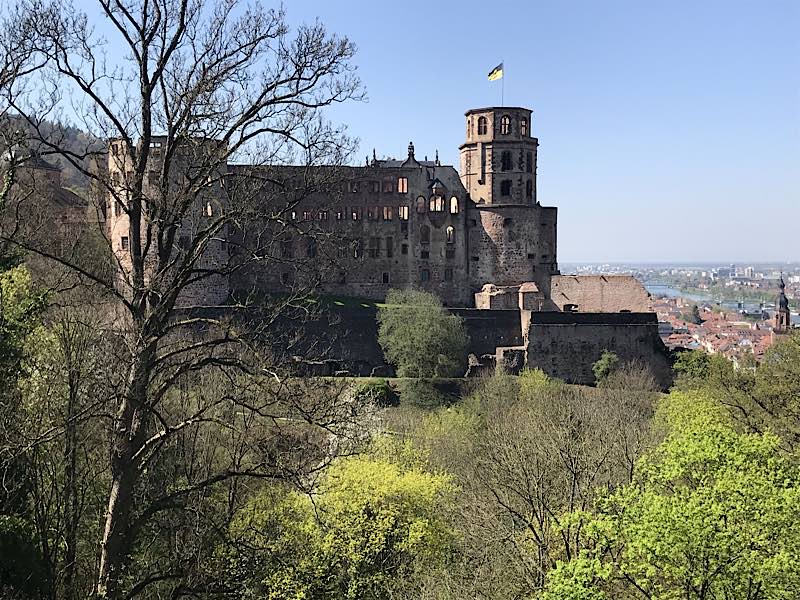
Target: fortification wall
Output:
[(511, 244), (566, 345)]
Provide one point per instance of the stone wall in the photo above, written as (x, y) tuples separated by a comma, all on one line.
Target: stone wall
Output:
[(509, 245), (566, 345), (598, 293)]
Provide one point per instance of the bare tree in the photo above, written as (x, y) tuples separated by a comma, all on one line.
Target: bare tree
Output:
[(197, 85)]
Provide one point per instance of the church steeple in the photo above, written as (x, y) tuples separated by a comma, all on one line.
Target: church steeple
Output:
[(783, 317)]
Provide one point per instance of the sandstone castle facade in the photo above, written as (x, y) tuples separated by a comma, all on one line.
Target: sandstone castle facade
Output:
[(477, 237)]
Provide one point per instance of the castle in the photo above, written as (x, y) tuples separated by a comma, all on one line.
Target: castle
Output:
[(479, 239)]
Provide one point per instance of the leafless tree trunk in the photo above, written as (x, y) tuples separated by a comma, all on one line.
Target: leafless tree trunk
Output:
[(199, 84)]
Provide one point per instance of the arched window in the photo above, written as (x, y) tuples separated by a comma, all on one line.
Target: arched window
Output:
[(424, 234), (529, 162), (505, 125), (481, 125), (450, 233), (453, 205), (523, 127), (437, 204), (505, 187), (421, 204), (529, 189), (505, 160)]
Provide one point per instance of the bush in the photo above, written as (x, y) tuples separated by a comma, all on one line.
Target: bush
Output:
[(426, 393), (377, 391), (605, 365)]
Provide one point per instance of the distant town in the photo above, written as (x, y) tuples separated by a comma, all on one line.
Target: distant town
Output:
[(725, 309)]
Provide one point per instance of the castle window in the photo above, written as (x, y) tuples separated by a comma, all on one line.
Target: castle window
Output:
[(372, 213), (387, 186), (481, 125), (437, 204), (385, 278), (355, 213), (505, 160), (374, 247), (425, 275), (294, 215), (118, 208), (387, 213), (339, 215), (358, 249), (450, 235), (529, 189), (505, 187), (308, 215), (421, 204), (531, 256), (505, 125), (123, 242), (354, 187), (424, 234), (474, 258), (425, 254), (404, 249), (449, 252), (389, 247), (311, 248), (448, 274), (402, 213), (402, 185), (529, 163), (115, 179), (323, 215), (114, 150), (523, 127), (453, 205)]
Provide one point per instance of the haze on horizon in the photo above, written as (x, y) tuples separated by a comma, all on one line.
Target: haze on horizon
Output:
[(668, 132)]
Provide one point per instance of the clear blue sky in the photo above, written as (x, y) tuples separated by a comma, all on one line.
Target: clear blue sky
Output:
[(668, 131)]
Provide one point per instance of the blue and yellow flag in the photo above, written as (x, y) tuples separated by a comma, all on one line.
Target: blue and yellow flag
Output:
[(496, 73)]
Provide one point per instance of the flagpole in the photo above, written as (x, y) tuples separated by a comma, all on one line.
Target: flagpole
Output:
[(503, 84)]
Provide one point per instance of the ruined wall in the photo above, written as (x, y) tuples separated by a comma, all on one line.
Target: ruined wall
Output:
[(210, 289), (598, 293), (566, 345)]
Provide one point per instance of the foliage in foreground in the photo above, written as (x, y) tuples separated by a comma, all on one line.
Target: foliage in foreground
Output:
[(712, 513), (375, 525)]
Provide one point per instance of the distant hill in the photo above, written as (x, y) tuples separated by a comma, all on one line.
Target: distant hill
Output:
[(71, 138)]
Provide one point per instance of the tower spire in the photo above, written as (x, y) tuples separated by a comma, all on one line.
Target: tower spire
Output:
[(783, 316)]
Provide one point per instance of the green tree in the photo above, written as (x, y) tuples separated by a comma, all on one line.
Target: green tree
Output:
[(419, 337), (375, 525), (605, 365), (712, 513)]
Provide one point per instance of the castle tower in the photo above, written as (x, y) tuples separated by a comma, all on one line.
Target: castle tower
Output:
[(211, 290), (498, 159), (783, 317), (512, 237)]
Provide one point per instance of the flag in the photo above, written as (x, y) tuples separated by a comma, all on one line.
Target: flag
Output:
[(496, 73)]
